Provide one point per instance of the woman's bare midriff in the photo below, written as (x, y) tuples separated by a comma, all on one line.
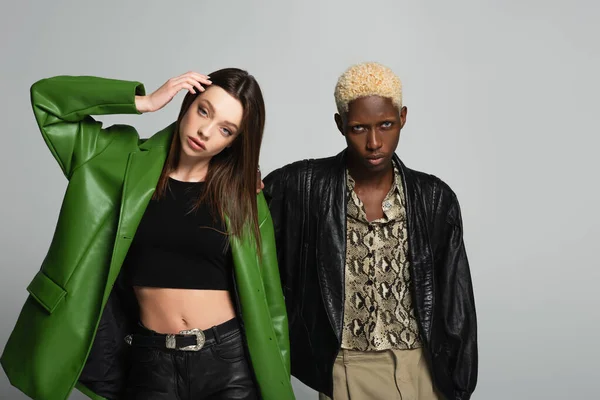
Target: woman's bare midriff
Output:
[(173, 310)]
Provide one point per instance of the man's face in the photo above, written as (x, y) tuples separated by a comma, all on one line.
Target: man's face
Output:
[(372, 129)]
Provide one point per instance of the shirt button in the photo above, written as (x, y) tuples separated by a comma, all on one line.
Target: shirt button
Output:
[(372, 308), (369, 282)]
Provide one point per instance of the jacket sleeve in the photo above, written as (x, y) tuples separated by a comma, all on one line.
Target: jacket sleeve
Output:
[(63, 106), (275, 194), (272, 284), (457, 296)]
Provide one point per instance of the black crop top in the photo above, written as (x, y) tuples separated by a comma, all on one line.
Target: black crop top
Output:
[(175, 247)]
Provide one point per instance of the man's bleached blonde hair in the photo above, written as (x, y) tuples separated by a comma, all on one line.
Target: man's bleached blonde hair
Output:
[(367, 79)]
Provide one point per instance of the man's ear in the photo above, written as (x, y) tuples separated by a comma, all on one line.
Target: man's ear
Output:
[(403, 112), (340, 123)]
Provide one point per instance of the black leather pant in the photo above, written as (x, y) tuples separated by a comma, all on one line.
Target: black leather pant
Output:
[(219, 370)]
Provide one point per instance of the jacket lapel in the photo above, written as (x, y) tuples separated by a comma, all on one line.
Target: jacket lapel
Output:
[(331, 202), (419, 248), (141, 176)]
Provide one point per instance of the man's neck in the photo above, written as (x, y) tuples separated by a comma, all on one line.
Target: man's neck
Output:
[(372, 180)]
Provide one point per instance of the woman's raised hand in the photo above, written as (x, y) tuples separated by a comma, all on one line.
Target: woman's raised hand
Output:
[(191, 81)]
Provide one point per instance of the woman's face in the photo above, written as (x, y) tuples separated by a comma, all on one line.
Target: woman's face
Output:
[(210, 124)]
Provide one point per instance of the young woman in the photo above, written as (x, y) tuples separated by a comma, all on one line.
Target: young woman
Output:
[(161, 281)]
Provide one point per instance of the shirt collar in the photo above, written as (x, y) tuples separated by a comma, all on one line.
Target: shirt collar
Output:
[(392, 205)]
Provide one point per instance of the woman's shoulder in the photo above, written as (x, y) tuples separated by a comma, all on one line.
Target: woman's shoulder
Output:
[(125, 139), (161, 138)]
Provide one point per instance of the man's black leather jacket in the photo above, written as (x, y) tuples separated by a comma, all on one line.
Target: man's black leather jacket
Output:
[(307, 200)]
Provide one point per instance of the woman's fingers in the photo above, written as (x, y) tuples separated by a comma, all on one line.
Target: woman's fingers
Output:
[(196, 84), (203, 79), (189, 80), (189, 87)]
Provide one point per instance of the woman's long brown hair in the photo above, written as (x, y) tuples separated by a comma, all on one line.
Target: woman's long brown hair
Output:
[(230, 187)]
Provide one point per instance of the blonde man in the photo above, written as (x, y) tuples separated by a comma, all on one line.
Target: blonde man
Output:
[(374, 269)]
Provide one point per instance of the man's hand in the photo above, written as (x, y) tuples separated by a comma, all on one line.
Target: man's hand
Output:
[(259, 183)]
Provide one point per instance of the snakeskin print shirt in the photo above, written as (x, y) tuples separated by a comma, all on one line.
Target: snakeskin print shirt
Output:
[(378, 310)]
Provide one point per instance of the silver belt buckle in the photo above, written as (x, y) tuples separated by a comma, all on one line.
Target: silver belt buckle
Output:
[(200, 339)]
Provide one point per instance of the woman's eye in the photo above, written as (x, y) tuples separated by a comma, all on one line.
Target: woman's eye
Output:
[(227, 132), (202, 112)]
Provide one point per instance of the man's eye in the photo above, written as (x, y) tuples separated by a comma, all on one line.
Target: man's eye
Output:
[(357, 128), (387, 124)]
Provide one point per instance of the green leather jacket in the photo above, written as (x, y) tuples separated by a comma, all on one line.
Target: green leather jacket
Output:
[(112, 175)]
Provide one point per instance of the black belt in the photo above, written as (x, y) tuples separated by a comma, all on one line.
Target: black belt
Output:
[(189, 340)]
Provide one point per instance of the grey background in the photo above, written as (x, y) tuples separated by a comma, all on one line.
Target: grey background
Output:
[(503, 105)]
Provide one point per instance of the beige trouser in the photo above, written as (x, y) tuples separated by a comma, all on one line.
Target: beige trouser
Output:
[(381, 375)]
